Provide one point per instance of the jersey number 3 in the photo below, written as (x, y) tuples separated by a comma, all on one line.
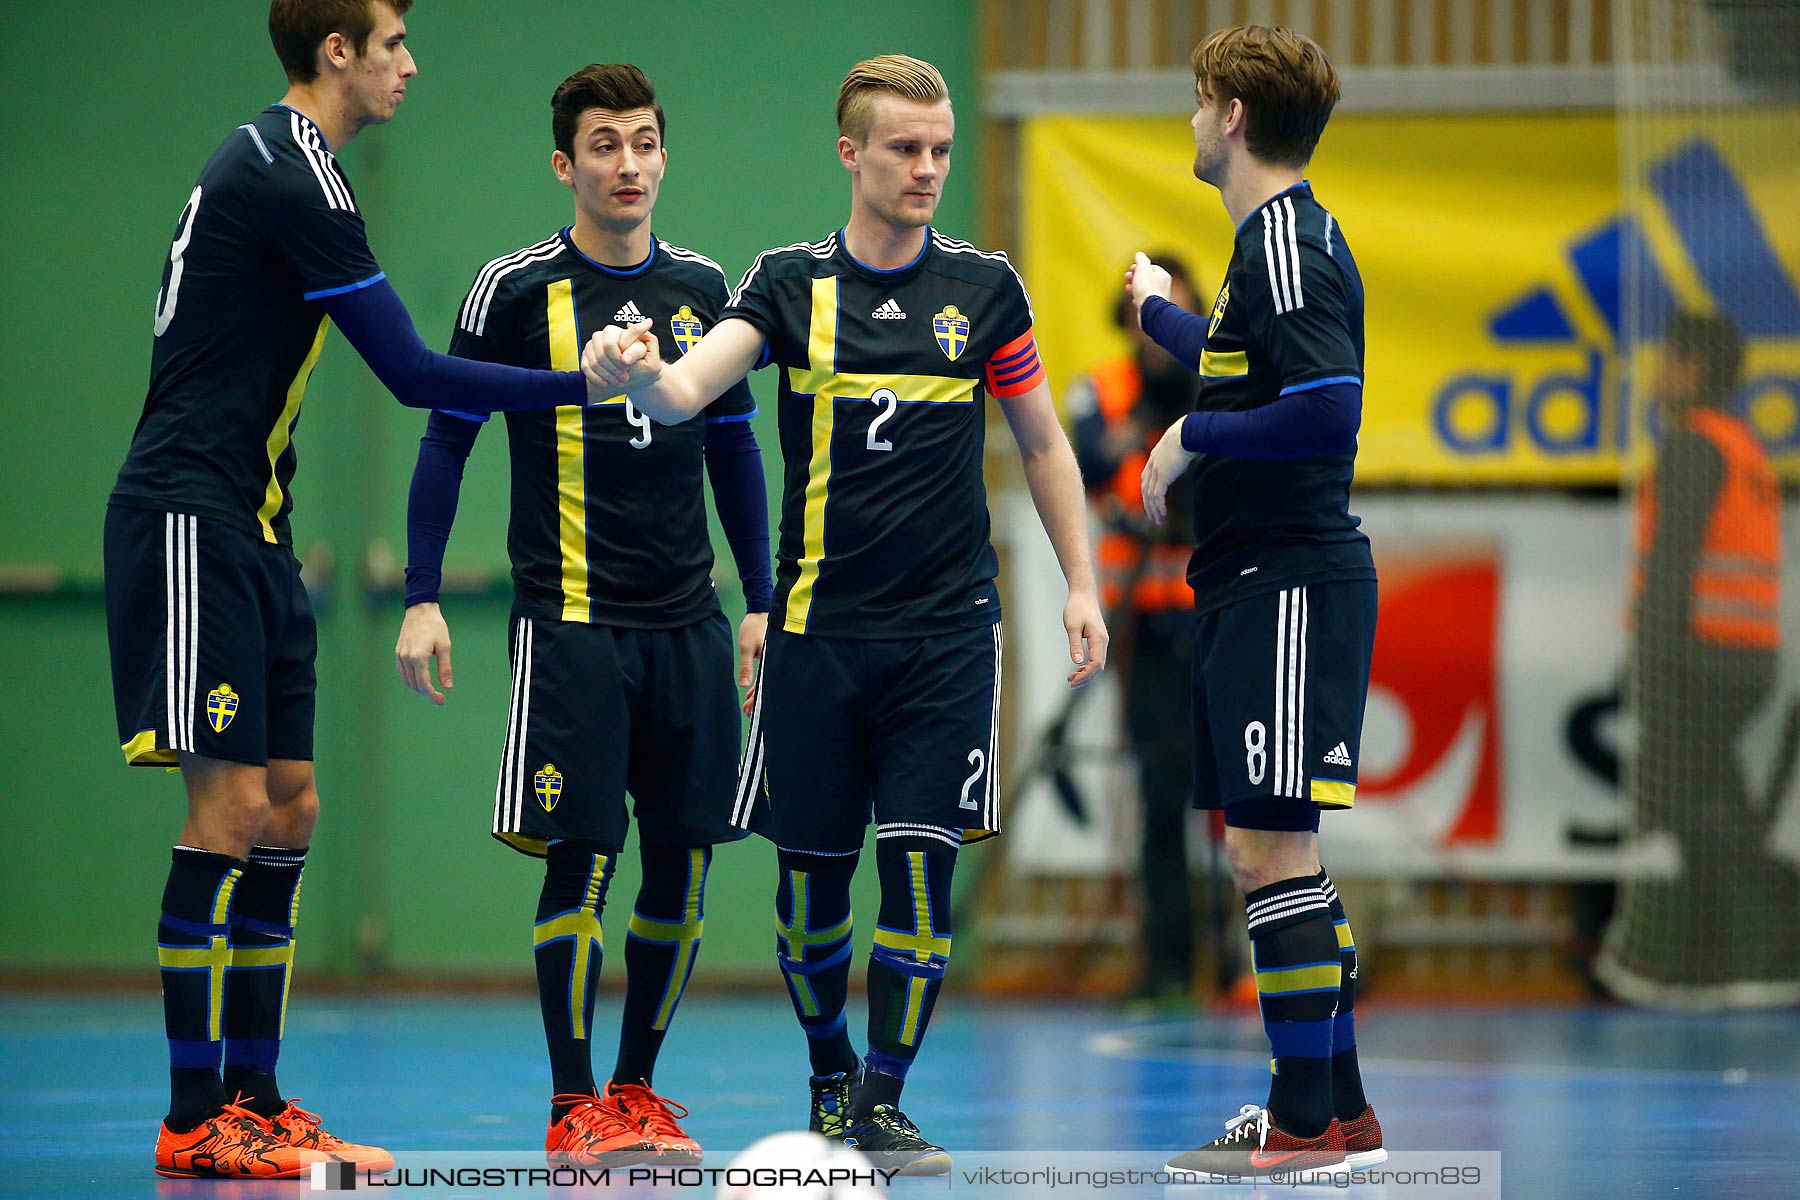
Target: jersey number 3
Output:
[(184, 230)]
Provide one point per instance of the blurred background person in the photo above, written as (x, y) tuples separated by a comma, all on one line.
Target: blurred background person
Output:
[(1706, 637), (1118, 409)]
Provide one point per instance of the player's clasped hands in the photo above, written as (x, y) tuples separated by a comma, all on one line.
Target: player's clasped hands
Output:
[(618, 359)]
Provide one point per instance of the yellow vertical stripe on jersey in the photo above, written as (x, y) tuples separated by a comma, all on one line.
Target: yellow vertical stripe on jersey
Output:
[(284, 429), (571, 457), (821, 348)]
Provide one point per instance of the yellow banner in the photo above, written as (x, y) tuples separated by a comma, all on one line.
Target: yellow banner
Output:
[(1500, 331)]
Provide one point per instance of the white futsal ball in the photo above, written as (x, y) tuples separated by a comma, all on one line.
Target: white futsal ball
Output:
[(798, 1166)]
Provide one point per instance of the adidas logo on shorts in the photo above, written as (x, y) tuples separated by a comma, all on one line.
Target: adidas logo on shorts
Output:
[(1339, 756), (890, 311), (629, 314)]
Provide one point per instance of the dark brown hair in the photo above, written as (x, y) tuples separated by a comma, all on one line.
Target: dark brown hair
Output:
[(1287, 85), (296, 27), (616, 87)]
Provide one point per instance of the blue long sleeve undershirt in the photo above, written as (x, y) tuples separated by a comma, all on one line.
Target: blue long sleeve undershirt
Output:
[(431, 501), (377, 324), (1308, 420), (1314, 422), (733, 463), (1175, 329)]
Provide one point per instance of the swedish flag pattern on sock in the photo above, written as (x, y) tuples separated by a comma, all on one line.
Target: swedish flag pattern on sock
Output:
[(193, 949)]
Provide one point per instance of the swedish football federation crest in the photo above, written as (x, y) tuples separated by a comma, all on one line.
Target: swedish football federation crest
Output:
[(952, 330), (548, 783), (686, 328), (1218, 312), (221, 706)]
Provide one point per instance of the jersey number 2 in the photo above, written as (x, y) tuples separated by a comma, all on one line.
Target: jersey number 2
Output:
[(979, 760), (890, 404), (165, 300)]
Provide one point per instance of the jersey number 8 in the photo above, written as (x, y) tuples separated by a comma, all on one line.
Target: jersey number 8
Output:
[(1256, 757), (184, 230)]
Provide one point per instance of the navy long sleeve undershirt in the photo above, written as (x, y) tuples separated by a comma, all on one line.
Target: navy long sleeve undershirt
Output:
[(1314, 422), (1175, 329), (377, 324), (1308, 420), (734, 464), (431, 501)]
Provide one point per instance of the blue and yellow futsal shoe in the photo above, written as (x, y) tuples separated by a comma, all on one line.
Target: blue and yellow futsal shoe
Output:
[(830, 1104), (893, 1143)]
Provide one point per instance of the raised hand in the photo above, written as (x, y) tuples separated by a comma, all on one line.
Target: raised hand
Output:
[(1144, 279)]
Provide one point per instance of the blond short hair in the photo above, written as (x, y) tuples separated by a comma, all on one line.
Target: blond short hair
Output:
[(886, 75), (1287, 85)]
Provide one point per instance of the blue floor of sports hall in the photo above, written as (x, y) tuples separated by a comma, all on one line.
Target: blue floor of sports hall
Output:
[(1581, 1102)]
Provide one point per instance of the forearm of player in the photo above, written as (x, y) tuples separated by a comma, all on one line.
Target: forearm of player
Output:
[(377, 324), (740, 494), (725, 355), (1175, 329), (1054, 480), (432, 499), (1315, 422)]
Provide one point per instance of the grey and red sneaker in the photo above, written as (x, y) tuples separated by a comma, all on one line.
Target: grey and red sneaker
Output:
[(1254, 1145), (1362, 1141)]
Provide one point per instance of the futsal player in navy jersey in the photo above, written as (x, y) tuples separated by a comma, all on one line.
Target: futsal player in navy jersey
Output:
[(211, 635), (623, 662), (880, 689), (1284, 585)]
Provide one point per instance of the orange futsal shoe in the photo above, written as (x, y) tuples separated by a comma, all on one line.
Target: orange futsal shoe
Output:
[(655, 1116), (1254, 1145), (301, 1130), (236, 1144), (593, 1134), (1362, 1141)]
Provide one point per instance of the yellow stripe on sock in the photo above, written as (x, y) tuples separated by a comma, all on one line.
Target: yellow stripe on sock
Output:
[(1282, 981)]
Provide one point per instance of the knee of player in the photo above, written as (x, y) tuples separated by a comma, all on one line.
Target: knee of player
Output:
[(1259, 857)]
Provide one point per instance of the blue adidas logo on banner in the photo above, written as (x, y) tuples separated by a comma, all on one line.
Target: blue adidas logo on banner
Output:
[(1722, 235)]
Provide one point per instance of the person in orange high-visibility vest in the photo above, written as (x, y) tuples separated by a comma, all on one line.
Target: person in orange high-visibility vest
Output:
[(1706, 633), (1118, 410)]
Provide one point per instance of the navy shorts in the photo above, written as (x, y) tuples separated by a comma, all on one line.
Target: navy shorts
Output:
[(212, 640), (905, 729), (1279, 685), (599, 711)]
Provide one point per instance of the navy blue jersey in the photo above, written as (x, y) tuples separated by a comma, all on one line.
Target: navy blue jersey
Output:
[(884, 382), (608, 509), (269, 231), (1289, 317)]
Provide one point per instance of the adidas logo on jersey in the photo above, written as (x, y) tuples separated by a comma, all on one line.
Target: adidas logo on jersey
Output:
[(890, 311), (629, 314), (1339, 756)]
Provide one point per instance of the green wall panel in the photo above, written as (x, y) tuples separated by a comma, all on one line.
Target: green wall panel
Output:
[(110, 108)]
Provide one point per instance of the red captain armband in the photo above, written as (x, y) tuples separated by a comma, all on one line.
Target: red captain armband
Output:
[(1015, 368)]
